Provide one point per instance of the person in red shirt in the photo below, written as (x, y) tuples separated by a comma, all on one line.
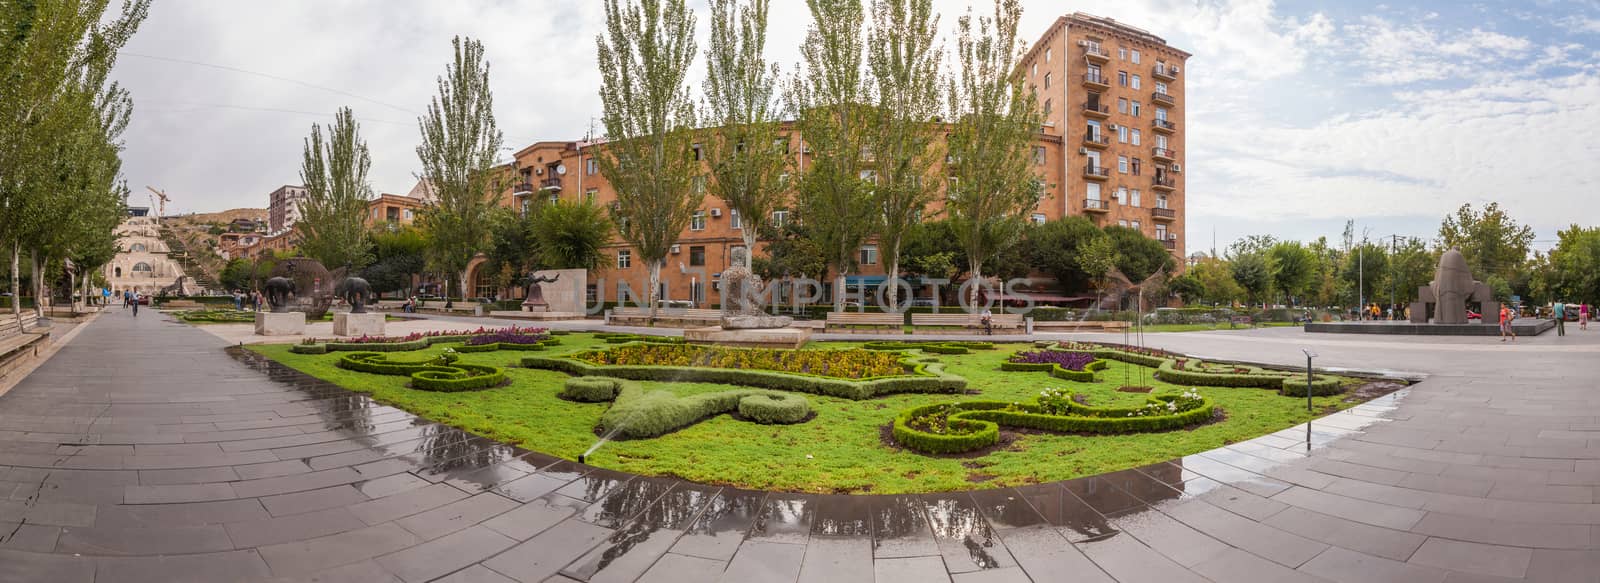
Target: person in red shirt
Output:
[(1505, 323)]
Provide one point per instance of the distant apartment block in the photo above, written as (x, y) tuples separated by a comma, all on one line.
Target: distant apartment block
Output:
[(283, 208)]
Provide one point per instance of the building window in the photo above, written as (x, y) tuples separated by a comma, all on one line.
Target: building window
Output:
[(141, 266), (1136, 201), (697, 255), (869, 254), (1047, 54), (1135, 81), (1136, 166), (1122, 54), (1122, 134), (1122, 78), (734, 222), (1135, 56), (1122, 105), (1034, 70), (1135, 226), (1122, 223), (1092, 190), (408, 214), (526, 203), (1038, 218), (1047, 108), (624, 259), (1161, 87), (1122, 164), (591, 166), (590, 195), (1122, 195), (1135, 137), (1094, 129), (869, 176), (783, 179), (1161, 232), (698, 183), (1161, 141), (697, 292), (483, 285), (1161, 201), (554, 197), (1038, 155), (697, 154), (780, 218), (697, 221), (1135, 109), (1047, 80), (137, 248), (1161, 113)]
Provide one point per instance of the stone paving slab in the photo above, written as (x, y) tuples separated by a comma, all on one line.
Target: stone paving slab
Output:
[(145, 451)]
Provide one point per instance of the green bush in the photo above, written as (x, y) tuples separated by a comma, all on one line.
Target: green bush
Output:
[(932, 347), (309, 349), (924, 377), (641, 414), (558, 332), (1321, 386), (434, 374), (773, 408), (972, 425), (590, 389), (1086, 375)]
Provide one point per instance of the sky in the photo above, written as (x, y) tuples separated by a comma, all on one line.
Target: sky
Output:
[(1301, 115)]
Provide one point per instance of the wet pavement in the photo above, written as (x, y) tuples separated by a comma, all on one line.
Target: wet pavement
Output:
[(146, 450)]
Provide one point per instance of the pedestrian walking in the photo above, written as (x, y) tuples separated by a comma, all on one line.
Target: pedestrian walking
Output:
[(1583, 317), (1506, 316), (126, 295), (1560, 312), (105, 296), (135, 298)]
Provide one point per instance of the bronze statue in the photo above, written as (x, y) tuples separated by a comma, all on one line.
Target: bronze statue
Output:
[(742, 299), (278, 291), (354, 291), (535, 297)]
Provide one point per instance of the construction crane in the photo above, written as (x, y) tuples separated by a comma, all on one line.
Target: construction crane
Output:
[(161, 209)]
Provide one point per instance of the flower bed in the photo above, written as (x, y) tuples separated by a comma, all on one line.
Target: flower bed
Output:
[(624, 338), (441, 373), (215, 316), (849, 373), (1065, 365), (964, 426), (421, 340), (935, 347)]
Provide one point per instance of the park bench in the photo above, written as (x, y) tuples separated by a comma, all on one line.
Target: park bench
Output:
[(1079, 326), (865, 322), (668, 317), (959, 323), (19, 341)]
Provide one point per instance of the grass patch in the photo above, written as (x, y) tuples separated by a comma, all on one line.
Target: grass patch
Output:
[(842, 448)]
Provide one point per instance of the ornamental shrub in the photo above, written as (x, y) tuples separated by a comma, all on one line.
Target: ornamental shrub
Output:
[(434, 374), (1321, 386), (773, 408), (851, 363), (590, 389), (965, 426), (642, 414), (922, 377)]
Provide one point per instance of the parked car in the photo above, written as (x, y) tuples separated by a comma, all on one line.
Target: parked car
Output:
[(1471, 315), (922, 302)]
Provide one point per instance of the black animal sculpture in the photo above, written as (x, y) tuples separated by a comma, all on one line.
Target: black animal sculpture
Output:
[(354, 291), (279, 289)]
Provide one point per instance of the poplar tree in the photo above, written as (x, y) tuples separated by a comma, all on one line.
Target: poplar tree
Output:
[(995, 124), (746, 153), (830, 98), (333, 214), (903, 57), (649, 159), (459, 143)]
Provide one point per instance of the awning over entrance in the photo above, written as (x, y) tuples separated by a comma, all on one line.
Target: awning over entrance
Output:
[(865, 280)]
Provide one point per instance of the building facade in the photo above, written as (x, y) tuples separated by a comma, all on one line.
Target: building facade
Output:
[(283, 208), (1114, 155), (143, 264), (1114, 94)]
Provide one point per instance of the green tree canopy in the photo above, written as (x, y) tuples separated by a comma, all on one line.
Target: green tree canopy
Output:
[(333, 214), (1490, 240)]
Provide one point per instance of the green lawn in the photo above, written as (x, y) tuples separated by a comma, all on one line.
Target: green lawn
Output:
[(841, 450)]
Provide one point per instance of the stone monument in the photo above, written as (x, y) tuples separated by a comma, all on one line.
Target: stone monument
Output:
[(280, 321), (745, 322), (355, 291), (552, 294), (1448, 294), (535, 301)]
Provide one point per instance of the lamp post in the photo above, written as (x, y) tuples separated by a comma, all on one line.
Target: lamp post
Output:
[(1309, 355)]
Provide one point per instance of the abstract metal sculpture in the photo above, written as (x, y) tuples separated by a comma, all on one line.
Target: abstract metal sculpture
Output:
[(279, 289)]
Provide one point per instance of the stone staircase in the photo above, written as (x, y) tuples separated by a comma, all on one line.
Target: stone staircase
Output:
[(178, 251)]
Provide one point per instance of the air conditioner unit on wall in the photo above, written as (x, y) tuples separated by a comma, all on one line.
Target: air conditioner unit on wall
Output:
[(1174, 69), (1111, 126), (1177, 168), (716, 213), (676, 249), (1083, 150)]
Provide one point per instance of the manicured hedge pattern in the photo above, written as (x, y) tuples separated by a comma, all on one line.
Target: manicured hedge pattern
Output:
[(427, 375), (590, 389), (229, 315), (1056, 370), (934, 347), (624, 338), (1286, 383), (493, 346), (773, 408), (976, 424), (640, 414), (922, 377)]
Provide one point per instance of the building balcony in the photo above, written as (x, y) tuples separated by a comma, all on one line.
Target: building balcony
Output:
[(1096, 54), (1096, 82), (1168, 74), (1096, 111), (522, 189), (1160, 98), (1171, 242), (1099, 142), (550, 184), (1166, 183), (1093, 172), (1095, 205), (1162, 154), (1163, 214), (1162, 126)]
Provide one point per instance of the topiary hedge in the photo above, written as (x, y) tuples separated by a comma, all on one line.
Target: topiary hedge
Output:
[(623, 338), (493, 346), (434, 374), (923, 377), (1193, 372), (309, 349), (771, 408), (945, 428), (933, 347), (590, 389), (1321, 386)]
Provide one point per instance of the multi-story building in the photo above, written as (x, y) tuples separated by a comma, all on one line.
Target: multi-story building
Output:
[(143, 264), (1115, 156), (393, 209), (1114, 94), (283, 208)]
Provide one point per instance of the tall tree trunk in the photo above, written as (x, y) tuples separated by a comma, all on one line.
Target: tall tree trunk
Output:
[(976, 265), (894, 276), (16, 282), (655, 287), (748, 234), (464, 287), (38, 283)]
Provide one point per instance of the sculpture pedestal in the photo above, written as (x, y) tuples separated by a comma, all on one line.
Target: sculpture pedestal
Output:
[(749, 338), (347, 324), (526, 307), (280, 324)]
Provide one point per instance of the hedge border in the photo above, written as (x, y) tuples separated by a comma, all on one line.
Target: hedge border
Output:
[(775, 408), (426, 375), (982, 421), (1286, 383), (590, 389), (639, 414), (407, 346), (932, 347), (927, 376), (1084, 376)]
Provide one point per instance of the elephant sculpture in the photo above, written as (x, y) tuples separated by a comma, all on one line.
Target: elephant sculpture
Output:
[(279, 289), (354, 291)]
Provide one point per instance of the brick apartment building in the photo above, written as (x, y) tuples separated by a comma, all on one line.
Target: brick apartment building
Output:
[(283, 207), (1110, 148)]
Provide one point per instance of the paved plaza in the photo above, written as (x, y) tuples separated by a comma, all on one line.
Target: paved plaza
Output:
[(148, 450)]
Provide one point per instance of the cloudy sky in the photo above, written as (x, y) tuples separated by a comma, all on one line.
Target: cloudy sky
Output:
[(1301, 115)]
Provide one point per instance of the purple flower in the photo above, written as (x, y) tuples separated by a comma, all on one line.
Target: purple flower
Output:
[(1067, 360)]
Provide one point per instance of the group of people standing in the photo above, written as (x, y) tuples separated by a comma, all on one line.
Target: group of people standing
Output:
[(1374, 311), (1559, 311), (254, 299)]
